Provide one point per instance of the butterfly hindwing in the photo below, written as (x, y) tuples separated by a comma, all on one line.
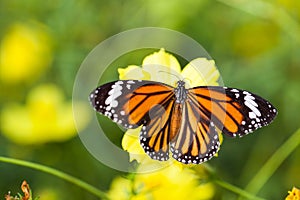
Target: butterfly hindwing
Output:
[(155, 136), (197, 140)]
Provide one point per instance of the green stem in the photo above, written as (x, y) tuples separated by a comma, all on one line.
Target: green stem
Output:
[(237, 190), (273, 163), (56, 173)]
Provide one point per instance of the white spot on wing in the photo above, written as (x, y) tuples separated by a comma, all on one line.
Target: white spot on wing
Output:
[(253, 108), (252, 105), (252, 115), (250, 99), (114, 93)]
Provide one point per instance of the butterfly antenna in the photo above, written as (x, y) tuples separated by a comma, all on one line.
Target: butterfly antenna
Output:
[(171, 74)]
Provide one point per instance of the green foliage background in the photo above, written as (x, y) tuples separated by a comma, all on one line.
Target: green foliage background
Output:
[(255, 48)]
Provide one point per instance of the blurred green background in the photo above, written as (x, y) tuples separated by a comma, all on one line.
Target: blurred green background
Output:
[(255, 45)]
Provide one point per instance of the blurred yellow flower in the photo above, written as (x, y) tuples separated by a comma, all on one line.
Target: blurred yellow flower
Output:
[(44, 118), (294, 194), (172, 182), (164, 67), (25, 53)]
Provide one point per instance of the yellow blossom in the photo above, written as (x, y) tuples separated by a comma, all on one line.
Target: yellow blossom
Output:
[(25, 53), (45, 117), (164, 67), (294, 194), (120, 189), (172, 182)]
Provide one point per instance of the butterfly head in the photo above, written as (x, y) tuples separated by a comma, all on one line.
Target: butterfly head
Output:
[(180, 84), (180, 92)]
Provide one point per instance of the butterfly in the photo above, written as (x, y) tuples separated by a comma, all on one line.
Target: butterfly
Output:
[(182, 121)]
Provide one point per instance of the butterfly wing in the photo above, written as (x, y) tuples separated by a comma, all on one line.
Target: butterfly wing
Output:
[(234, 111), (156, 135), (128, 102), (133, 103), (211, 108), (197, 140)]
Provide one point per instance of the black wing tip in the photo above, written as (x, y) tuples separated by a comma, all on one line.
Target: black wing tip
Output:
[(93, 98), (266, 119)]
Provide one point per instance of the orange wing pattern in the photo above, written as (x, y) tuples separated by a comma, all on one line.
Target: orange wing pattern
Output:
[(233, 111), (197, 140), (128, 102), (155, 136)]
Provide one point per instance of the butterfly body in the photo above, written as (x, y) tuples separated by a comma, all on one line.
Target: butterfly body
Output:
[(180, 92), (180, 120)]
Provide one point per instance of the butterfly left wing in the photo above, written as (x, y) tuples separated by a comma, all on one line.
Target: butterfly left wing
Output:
[(233, 111), (128, 102), (156, 135), (133, 103)]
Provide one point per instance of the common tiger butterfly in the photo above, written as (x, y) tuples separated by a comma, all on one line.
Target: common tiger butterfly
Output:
[(182, 121)]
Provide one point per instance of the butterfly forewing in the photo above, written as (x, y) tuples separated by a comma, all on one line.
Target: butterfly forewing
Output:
[(128, 102), (234, 111)]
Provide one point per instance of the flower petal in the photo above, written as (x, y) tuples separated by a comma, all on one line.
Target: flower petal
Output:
[(201, 71), (131, 144), (163, 67), (133, 72)]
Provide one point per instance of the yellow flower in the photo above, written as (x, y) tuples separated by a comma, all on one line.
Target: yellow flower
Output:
[(44, 118), (294, 194), (120, 189), (25, 53), (164, 67), (172, 182)]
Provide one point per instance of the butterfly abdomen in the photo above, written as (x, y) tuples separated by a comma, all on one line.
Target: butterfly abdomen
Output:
[(175, 120)]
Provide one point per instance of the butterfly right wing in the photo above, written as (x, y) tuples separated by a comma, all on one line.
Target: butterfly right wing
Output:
[(234, 111)]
